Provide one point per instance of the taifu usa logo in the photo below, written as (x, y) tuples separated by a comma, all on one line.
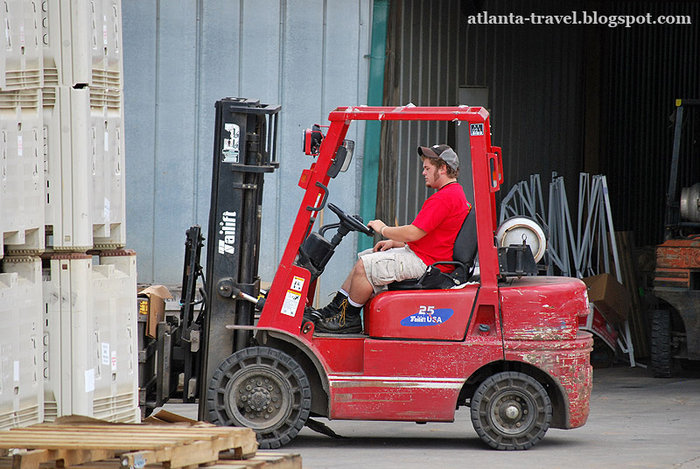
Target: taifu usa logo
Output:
[(428, 316), (228, 231)]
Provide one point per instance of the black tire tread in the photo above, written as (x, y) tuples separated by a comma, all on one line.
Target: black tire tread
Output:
[(661, 354), (503, 442), (265, 441)]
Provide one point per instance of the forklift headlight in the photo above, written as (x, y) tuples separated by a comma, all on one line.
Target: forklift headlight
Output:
[(312, 139)]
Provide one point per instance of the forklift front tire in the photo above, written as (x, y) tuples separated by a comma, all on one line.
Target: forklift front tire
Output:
[(264, 389), (511, 411)]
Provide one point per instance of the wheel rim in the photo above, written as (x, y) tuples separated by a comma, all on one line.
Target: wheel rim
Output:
[(512, 412), (258, 397)]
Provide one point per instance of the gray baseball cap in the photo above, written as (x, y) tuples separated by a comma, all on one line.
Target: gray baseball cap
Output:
[(441, 151)]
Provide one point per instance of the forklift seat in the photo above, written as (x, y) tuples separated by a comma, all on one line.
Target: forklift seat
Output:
[(463, 257)]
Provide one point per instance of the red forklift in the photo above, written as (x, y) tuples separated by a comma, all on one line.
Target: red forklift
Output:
[(502, 341)]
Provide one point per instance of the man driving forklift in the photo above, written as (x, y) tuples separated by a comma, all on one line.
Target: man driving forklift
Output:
[(408, 250)]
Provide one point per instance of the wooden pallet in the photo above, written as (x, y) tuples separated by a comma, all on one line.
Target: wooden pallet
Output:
[(131, 446), (261, 460)]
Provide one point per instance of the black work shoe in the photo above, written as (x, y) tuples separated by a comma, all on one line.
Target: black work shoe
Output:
[(330, 310), (310, 315), (347, 321)]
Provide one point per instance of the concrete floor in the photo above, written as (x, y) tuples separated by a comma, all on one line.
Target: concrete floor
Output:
[(636, 421)]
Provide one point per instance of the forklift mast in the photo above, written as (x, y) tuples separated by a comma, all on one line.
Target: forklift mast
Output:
[(244, 150)]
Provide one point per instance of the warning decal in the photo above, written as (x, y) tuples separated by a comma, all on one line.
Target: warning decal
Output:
[(291, 302), (293, 297), (297, 284), (476, 129)]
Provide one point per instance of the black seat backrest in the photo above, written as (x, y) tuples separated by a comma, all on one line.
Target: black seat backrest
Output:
[(464, 250)]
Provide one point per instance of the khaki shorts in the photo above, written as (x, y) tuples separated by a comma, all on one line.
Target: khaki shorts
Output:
[(392, 265)]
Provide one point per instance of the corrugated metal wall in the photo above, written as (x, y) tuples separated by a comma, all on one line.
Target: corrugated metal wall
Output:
[(646, 70), (561, 98), (535, 95), (180, 56), (422, 52), (534, 77)]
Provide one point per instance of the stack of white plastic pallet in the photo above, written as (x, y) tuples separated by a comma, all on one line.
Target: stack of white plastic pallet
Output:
[(67, 289)]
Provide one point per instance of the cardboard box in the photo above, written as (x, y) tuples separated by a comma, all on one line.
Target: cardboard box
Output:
[(152, 303), (609, 296)]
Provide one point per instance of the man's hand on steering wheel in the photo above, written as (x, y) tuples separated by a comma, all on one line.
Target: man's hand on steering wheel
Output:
[(376, 225)]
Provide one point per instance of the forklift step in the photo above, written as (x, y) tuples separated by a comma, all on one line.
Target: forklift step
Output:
[(341, 336)]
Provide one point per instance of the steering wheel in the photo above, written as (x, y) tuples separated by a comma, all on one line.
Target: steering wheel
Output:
[(353, 222)]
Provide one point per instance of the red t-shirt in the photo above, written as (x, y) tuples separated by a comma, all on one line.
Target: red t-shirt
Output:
[(441, 217)]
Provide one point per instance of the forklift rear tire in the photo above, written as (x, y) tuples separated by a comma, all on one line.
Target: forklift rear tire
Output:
[(264, 389), (661, 350), (511, 411)]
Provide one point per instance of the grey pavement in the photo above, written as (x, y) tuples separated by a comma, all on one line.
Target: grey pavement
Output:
[(636, 421)]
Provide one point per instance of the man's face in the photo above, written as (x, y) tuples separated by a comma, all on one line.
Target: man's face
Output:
[(431, 173)]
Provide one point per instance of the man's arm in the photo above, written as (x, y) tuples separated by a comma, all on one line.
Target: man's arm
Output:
[(404, 234)]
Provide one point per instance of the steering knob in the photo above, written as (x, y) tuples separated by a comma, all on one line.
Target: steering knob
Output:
[(360, 219)]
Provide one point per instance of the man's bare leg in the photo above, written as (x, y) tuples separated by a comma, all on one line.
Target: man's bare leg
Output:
[(358, 288)]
